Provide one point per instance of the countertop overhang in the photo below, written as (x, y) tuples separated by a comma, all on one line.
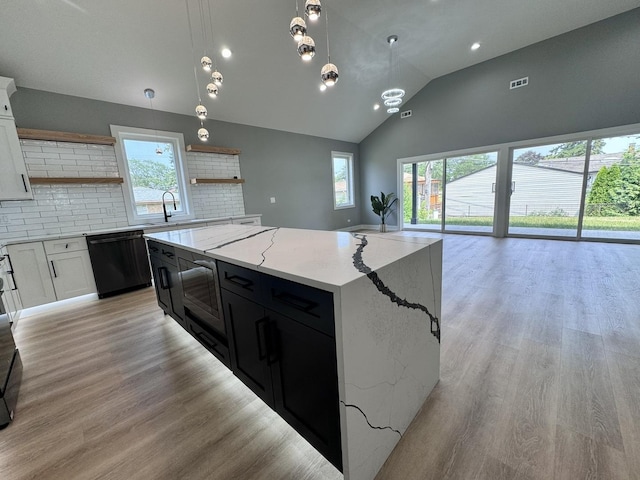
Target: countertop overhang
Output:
[(323, 259)]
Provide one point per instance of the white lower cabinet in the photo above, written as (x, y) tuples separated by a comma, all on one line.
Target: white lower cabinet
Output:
[(71, 274), (43, 275), (31, 273)]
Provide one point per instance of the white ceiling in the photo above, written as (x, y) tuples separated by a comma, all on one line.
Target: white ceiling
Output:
[(113, 50)]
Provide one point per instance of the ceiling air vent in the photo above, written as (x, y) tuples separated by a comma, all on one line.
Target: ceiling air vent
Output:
[(405, 114), (521, 82)]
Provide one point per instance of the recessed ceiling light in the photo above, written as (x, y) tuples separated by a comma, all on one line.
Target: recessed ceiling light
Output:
[(323, 87), (226, 53), (475, 46), (376, 106)]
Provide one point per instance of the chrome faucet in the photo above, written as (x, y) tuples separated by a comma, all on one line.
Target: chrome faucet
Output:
[(164, 206)]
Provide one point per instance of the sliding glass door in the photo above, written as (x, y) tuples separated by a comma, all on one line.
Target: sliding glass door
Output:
[(612, 197), (422, 195), (464, 202), (546, 189), (470, 192), (583, 187)]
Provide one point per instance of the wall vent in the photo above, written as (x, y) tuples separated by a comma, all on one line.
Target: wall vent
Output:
[(520, 82), (405, 114)]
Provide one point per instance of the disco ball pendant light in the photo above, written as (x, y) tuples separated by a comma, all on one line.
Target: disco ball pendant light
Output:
[(329, 73), (216, 76), (203, 133), (201, 112), (306, 48), (212, 90), (297, 28), (206, 63), (312, 8)]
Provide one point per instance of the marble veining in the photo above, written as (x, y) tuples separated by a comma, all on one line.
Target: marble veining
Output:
[(382, 288), (348, 405), (242, 239), (264, 252)]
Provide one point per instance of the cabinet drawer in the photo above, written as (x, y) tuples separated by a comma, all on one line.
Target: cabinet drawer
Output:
[(240, 280), (160, 250), (65, 245), (307, 305), (207, 339)]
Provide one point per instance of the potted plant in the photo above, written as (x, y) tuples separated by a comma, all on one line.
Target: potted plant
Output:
[(382, 206)]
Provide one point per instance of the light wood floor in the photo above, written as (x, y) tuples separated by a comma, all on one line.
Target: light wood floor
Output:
[(540, 379)]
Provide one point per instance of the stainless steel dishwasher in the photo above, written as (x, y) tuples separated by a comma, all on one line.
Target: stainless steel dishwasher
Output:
[(119, 261)]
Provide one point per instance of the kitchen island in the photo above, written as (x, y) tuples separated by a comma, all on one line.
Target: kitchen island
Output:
[(384, 295)]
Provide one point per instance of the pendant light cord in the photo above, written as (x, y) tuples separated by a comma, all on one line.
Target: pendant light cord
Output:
[(193, 52), (326, 19)]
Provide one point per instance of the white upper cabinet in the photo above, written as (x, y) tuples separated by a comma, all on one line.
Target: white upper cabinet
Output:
[(14, 181)]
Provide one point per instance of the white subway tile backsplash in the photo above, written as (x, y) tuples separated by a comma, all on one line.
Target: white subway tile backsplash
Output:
[(62, 209)]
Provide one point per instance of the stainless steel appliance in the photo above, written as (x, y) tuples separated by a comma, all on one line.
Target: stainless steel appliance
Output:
[(119, 262), (10, 367), (201, 303)]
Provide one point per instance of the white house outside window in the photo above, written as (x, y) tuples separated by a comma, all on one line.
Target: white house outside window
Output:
[(153, 168), (343, 194)]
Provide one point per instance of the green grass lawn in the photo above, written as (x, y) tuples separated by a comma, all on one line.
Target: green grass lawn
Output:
[(589, 223)]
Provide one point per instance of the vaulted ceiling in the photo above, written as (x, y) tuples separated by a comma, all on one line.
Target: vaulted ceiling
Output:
[(113, 50)]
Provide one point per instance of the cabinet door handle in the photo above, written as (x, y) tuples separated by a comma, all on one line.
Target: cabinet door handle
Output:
[(10, 272), (164, 281), (294, 301), (237, 280), (273, 343), (24, 182), (55, 275), (261, 333)]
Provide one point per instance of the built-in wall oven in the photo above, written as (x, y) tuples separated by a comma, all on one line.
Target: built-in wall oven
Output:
[(202, 304)]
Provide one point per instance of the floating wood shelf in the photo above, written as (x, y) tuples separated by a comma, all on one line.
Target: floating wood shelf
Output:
[(212, 149), (31, 134), (195, 181), (73, 180)]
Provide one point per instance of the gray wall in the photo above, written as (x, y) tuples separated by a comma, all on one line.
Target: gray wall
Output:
[(296, 169), (583, 80)]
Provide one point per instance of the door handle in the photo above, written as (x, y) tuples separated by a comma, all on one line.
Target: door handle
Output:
[(295, 301), (24, 182), (261, 334), (53, 267), (237, 280), (273, 343), (164, 280)]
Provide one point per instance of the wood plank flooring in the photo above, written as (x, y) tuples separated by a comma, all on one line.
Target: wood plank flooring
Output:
[(540, 379)]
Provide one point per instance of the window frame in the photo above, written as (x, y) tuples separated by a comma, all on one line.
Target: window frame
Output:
[(348, 156), (122, 133)]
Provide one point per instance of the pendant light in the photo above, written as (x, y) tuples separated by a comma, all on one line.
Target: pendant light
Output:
[(201, 110), (329, 73), (306, 48), (392, 97), (313, 8), (297, 27)]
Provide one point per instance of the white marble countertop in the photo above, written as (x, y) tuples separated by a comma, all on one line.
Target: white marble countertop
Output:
[(322, 259), (147, 227)]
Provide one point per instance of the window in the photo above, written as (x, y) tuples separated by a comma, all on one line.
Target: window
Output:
[(152, 166), (343, 195)]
